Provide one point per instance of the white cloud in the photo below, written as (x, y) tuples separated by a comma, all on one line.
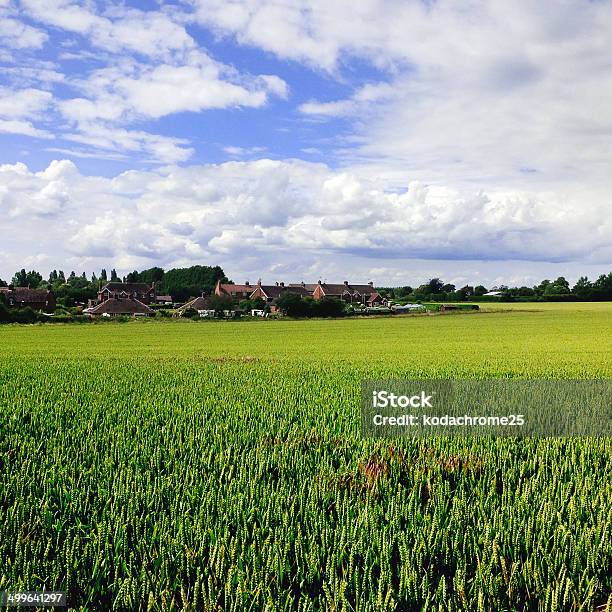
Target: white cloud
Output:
[(149, 33), (360, 102), (23, 103), (143, 91), (473, 92), (152, 68), (24, 128), (256, 216), (164, 149), (17, 35)]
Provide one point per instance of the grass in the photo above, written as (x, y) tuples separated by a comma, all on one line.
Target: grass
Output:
[(219, 465)]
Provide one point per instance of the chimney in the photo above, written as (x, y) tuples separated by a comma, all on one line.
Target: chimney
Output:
[(371, 283), (282, 284), (346, 283), (246, 284), (277, 283), (259, 281), (319, 282)]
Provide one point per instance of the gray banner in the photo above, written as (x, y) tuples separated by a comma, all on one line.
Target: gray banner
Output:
[(499, 407)]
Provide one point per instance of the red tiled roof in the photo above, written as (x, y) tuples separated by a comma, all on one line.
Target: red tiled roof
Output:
[(231, 288)]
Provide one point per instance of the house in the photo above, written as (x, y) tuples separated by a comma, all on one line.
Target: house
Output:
[(120, 306), (143, 292), (309, 287), (200, 304), (24, 297), (236, 292), (164, 299), (270, 293), (360, 294)]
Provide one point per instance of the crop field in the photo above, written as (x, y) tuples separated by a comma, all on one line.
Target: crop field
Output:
[(203, 465)]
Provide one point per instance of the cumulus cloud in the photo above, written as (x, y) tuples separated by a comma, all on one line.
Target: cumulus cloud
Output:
[(472, 93), (136, 90), (151, 68), (150, 33), (264, 214), (17, 35)]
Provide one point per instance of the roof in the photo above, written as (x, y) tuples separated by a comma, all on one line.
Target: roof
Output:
[(164, 298), (341, 288), (232, 288), (127, 287), (310, 287), (198, 303), (274, 291), (119, 306), (27, 295)]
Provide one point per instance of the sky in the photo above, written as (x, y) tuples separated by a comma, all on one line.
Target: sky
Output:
[(288, 140)]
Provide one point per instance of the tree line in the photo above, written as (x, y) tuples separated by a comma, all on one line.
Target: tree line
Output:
[(184, 283), (548, 290), (73, 289)]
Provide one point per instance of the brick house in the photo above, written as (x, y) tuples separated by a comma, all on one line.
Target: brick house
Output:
[(347, 292), (236, 292), (270, 293), (143, 292), (24, 297)]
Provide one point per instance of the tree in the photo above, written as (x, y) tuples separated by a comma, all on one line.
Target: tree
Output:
[(466, 292), (2, 283), (103, 276), (114, 278), (152, 275), (256, 304), (61, 278), (219, 303), (27, 279), (435, 285), (583, 289), (480, 290), (292, 305), (181, 283), (558, 287), (328, 307), (602, 287)]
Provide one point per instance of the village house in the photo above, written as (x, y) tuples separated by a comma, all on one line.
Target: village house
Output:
[(236, 292), (143, 292), (270, 293), (24, 297), (200, 304), (116, 306), (353, 294)]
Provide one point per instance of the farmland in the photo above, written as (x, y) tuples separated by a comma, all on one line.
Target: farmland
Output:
[(219, 465)]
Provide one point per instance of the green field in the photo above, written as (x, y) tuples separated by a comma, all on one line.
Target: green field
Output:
[(219, 465)]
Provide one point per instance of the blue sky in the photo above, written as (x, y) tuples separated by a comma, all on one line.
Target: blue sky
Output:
[(380, 140)]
